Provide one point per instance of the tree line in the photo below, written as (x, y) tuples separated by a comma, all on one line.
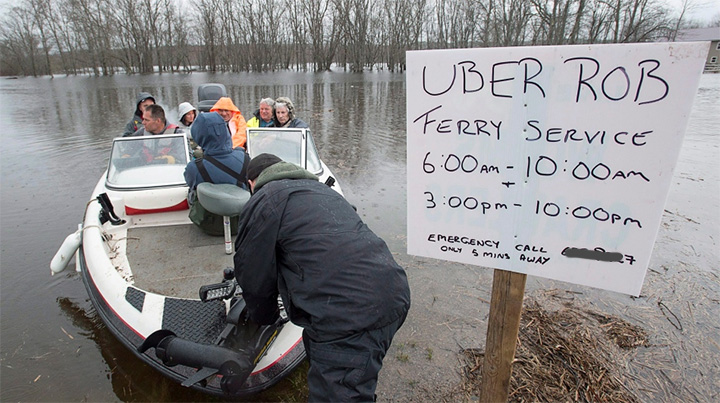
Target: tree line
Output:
[(104, 37)]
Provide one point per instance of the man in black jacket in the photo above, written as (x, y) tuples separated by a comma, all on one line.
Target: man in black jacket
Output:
[(337, 279)]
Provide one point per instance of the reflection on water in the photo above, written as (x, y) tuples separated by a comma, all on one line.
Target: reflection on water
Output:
[(56, 140), (132, 380), (361, 116)]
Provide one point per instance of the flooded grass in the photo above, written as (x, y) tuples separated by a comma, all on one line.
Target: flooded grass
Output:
[(568, 354), (291, 389)]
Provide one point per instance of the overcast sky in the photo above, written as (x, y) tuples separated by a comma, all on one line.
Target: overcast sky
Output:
[(704, 10)]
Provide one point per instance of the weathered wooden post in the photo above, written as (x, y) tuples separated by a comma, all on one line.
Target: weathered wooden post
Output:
[(503, 324)]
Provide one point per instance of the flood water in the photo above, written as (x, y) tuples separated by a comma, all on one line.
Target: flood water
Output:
[(55, 139)]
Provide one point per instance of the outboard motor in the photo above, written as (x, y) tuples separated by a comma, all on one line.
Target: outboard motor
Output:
[(233, 365), (236, 351), (208, 94)]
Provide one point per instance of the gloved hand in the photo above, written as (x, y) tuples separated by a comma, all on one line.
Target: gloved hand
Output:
[(168, 158)]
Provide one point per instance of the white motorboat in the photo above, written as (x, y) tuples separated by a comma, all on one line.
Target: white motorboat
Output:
[(164, 288)]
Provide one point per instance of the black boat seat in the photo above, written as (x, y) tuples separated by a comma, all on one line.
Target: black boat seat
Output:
[(208, 94), (223, 199)]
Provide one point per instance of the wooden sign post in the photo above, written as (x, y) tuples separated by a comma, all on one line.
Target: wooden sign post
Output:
[(553, 161), (502, 332)]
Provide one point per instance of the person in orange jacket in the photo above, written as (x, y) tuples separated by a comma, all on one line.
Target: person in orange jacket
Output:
[(234, 119)]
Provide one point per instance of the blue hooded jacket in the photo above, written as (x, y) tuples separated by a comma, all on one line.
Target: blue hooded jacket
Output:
[(211, 133)]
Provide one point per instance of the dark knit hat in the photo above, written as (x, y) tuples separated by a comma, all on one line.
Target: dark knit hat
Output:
[(259, 163)]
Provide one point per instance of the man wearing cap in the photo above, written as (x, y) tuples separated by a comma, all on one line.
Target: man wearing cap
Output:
[(302, 240)]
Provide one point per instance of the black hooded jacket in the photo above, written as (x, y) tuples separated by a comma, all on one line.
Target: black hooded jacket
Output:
[(135, 122), (301, 238)]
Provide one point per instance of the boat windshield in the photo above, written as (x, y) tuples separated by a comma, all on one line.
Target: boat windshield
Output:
[(290, 144), (148, 161)]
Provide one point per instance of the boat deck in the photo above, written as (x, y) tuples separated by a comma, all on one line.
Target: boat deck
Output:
[(176, 260)]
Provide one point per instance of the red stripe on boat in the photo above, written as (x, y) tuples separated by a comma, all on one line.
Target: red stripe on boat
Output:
[(183, 205)]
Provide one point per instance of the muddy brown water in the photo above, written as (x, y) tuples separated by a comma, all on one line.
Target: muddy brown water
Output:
[(55, 138)]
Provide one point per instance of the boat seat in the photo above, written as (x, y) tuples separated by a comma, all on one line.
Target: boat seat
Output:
[(223, 199)]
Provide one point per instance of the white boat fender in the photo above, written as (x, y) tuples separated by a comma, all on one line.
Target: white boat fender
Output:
[(77, 252), (68, 248)]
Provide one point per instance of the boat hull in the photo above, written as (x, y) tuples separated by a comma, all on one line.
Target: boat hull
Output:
[(134, 306), (144, 262)]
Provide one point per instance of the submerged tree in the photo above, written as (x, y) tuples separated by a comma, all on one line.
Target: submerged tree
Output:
[(20, 43), (321, 18)]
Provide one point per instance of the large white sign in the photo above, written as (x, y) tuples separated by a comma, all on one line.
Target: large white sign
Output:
[(549, 161)]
